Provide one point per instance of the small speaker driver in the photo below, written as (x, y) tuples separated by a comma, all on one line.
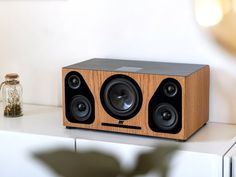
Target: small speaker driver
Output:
[(80, 108), (74, 82), (165, 117), (170, 89)]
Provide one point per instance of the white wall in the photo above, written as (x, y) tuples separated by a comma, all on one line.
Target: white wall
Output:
[(38, 37)]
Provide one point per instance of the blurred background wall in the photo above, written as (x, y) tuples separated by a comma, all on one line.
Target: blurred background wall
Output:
[(38, 37)]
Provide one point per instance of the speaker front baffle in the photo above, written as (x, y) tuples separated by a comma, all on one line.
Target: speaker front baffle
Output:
[(167, 100)]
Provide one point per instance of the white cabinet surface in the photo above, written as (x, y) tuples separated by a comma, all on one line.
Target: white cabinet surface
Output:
[(41, 128), (184, 164), (17, 150), (230, 162)]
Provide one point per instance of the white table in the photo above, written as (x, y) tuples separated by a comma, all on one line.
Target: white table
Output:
[(41, 129)]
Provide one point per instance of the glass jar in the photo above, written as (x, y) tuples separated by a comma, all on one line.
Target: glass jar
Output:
[(12, 96)]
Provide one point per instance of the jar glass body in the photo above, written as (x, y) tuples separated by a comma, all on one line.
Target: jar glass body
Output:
[(12, 98)]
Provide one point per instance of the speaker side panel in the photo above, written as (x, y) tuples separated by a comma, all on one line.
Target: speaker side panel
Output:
[(148, 84), (197, 100), (65, 121)]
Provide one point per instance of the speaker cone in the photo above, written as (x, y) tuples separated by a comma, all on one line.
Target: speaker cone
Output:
[(74, 81), (165, 117), (121, 97), (170, 89), (80, 108)]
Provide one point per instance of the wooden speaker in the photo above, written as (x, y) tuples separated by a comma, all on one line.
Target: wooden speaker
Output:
[(167, 100)]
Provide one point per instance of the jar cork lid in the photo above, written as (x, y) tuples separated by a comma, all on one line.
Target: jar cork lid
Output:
[(11, 76)]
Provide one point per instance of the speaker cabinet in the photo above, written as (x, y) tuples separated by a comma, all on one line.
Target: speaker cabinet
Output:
[(167, 100)]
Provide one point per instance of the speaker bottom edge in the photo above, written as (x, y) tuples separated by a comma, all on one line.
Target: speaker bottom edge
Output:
[(193, 133), (126, 133)]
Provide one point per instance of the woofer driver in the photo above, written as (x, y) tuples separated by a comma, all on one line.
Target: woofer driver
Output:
[(80, 108), (121, 97), (165, 117)]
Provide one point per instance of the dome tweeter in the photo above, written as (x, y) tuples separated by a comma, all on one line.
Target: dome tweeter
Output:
[(170, 89), (166, 100), (74, 81)]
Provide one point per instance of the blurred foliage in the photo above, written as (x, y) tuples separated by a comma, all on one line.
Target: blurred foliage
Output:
[(96, 164)]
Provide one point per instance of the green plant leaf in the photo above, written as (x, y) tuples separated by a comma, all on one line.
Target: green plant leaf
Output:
[(82, 164), (95, 164), (157, 161)]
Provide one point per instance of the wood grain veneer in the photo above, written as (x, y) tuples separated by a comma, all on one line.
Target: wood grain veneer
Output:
[(195, 101)]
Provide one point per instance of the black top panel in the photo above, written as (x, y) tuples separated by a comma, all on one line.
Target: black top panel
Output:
[(146, 67)]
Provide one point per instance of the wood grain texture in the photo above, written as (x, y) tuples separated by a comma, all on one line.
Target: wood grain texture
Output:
[(196, 101), (148, 84)]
